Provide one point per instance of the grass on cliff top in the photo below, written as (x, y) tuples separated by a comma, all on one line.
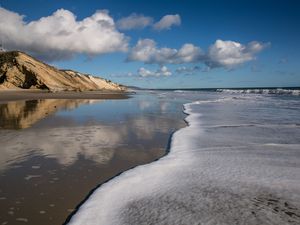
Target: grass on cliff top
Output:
[(8, 57)]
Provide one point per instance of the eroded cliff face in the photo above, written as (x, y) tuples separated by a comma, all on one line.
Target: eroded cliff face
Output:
[(21, 71)]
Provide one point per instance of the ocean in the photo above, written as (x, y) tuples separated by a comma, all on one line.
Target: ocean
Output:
[(236, 162)]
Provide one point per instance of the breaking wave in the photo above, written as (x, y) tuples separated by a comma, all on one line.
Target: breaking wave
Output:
[(278, 91)]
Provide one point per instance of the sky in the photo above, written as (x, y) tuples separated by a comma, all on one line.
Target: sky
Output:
[(162, 43)]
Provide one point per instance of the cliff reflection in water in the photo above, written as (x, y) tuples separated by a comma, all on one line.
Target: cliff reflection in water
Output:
[(23, 114)]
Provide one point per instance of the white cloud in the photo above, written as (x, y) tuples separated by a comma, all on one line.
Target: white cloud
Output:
[(230, 54), (60, 35), (134, 21), (146, 51), (162, 71), (226, 54), (167, 22), (144, 72)]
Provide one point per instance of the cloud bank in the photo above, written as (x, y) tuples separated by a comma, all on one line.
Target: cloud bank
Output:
[(60, 35), (226, 54)]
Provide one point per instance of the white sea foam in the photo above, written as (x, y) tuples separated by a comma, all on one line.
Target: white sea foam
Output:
[(279, 91), (179, 91), (210, 176), (224, 99)]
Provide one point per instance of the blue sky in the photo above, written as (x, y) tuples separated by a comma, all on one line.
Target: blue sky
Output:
[(258, 40)]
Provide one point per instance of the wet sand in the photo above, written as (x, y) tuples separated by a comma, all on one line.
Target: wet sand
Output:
[(41, 190), (14, 95), (49, 165)]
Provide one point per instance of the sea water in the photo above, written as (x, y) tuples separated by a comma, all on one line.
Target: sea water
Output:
[(236, 162)]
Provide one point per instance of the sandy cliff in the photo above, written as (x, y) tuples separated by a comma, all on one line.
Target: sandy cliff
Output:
[(21, 71)]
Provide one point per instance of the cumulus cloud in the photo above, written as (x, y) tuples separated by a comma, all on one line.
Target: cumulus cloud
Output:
[(134, 21), (167, 22), (230, 54), (162, 71), (226, 54), (187, 70), (146, 51), (60, 35)]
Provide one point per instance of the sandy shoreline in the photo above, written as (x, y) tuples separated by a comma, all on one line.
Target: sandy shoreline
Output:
[(14, 95)]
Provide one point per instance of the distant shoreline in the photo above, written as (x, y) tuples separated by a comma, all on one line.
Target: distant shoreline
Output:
[(15, 95)]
